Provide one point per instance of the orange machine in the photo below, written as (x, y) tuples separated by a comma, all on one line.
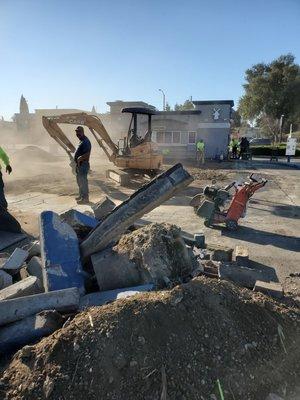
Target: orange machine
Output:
[(213, 207), (136, 155)]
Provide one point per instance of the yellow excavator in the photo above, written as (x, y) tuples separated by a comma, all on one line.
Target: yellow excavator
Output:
[(133, 154)]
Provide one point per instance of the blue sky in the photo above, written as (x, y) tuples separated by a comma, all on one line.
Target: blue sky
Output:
[(80, 53)]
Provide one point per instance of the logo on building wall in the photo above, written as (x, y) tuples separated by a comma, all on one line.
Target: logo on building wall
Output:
[(216, 114)]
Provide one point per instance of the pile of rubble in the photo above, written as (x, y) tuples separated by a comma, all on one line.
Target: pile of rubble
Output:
[(77, 264), (198, 333)]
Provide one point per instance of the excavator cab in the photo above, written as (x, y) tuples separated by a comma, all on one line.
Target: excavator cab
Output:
[(133, 139)]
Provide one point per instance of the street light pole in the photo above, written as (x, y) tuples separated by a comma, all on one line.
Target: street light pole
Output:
[(281, 119), (164, 99)]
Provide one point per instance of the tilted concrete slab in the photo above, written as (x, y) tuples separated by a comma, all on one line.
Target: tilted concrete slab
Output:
[(273, 289), (103, 207), (26, 287), (60, 254), (9, 238), (139, 203), (66, 300), (241, 275), (28, 330), (15, 262), (77, 219), (100, 298)]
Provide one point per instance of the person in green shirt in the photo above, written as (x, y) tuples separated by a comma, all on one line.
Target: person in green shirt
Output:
[(5, 160), (200, 147)]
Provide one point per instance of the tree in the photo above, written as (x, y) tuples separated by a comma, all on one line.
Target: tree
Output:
[(236, 119), (168, 107), (187, 105), (272, 90)]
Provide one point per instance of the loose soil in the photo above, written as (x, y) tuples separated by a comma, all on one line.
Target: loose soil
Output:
[(158, 252), (170, 344)]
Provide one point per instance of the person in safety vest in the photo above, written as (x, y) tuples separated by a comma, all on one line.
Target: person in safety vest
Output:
[(200, 147)]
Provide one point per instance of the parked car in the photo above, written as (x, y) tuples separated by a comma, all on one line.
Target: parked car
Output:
[(260, 141)]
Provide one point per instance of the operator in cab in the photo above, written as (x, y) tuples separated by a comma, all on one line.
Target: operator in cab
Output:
[(82, 160)]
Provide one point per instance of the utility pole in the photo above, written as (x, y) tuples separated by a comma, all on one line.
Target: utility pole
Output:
[(280, 126), (164, 99)]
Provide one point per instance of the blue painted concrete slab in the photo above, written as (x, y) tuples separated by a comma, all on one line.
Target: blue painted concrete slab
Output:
[(60, 254), (100, 298)]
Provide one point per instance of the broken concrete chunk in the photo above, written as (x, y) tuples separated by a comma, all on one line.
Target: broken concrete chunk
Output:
[(35, 268), (189, 239), (199, 240), (242, 255), (66, 300), (211, 268), (159, 253), (100, 298), (273, 289), (77, 219), (28, 330), (3, 258), (141, 202), (34, 249), (5, 279), (220, 253), (15, 262), (241, 275), (103, 207), (24, 273), (114, 271), (22, 288), (60, 254)]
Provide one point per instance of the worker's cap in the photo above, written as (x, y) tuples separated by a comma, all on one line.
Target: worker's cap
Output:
[(79, 129)]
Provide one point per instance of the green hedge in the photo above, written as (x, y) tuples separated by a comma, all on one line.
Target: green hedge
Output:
[(266, 150)]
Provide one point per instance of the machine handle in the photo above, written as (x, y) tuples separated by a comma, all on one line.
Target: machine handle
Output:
[(253, 179)]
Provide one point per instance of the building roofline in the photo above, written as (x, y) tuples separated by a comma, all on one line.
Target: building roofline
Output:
[(184, 112), (206, 102)]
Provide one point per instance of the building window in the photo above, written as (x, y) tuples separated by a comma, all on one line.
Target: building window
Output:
[(160, 137), (168, 137), (192, 137), (176, 137)]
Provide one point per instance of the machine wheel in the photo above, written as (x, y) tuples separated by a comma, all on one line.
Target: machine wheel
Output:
[(231, 225)]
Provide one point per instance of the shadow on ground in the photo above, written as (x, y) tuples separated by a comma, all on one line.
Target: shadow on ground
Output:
[(248, 234), (282, 210)]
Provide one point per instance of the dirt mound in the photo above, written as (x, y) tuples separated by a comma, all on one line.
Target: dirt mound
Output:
[(157, 250), (179, 342), (34, 154)]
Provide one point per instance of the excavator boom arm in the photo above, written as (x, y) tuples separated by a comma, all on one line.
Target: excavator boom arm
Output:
[(51, 124)]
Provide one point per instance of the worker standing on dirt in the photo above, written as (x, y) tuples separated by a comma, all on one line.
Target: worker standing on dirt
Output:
[(82, 158), (4, 158), (200, 152)]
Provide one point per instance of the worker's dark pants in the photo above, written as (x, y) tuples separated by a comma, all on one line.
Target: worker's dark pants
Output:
[(3, 202), (234, 152), (82, 180)]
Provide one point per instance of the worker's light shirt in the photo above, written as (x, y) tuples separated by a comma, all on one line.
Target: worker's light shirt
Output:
[(200, 146), (3, 157)]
